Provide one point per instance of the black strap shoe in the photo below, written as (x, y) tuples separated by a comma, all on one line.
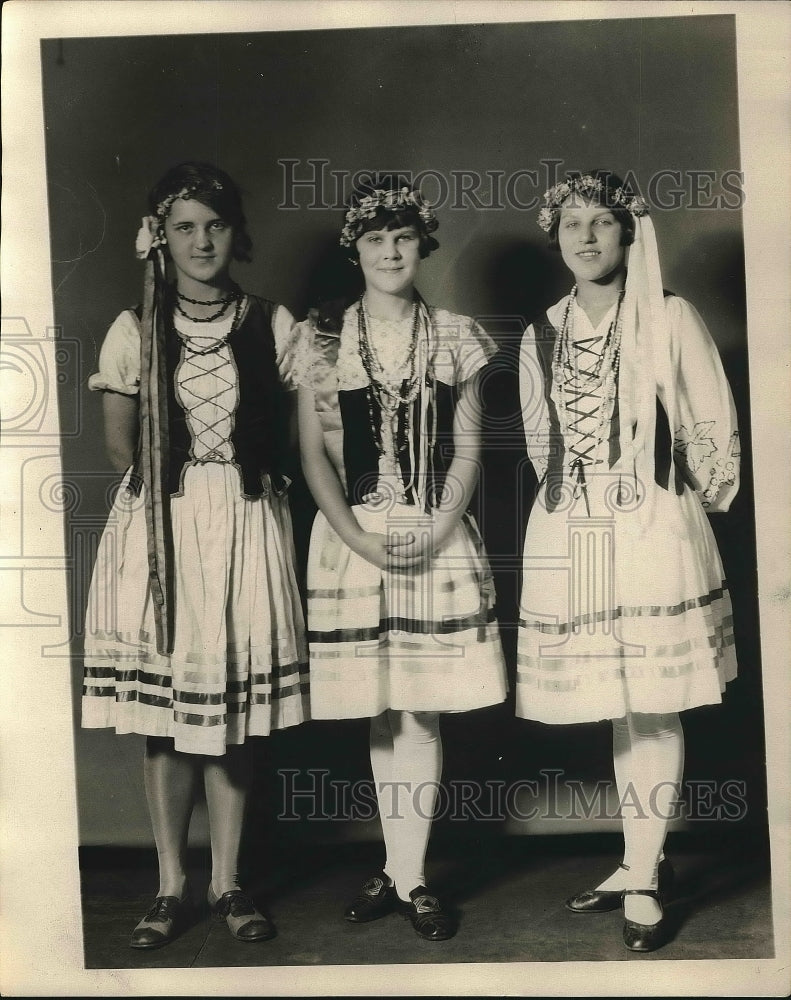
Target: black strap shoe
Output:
[(375, 899), (644, 937), (426, 915), (167, 917), (604, 900)]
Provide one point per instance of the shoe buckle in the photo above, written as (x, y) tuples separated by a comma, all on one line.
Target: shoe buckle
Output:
[(373, 887)]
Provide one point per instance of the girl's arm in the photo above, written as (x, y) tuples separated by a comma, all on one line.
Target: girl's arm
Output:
[(324, 484), (286, 334), (459, 484), (121, 424), (707, 438)]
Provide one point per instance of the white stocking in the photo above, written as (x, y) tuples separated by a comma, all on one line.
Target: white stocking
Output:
[(648, 755), (406, 759)]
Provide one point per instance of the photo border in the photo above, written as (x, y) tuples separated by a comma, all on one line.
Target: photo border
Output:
[(41, 922)]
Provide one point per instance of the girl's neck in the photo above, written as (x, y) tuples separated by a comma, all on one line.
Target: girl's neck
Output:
[(385, 306), (204, 291), (597, 298)]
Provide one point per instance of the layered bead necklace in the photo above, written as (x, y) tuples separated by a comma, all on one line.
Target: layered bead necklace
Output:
[(572, 383), (391, 392), (234, 295), (215, 342)]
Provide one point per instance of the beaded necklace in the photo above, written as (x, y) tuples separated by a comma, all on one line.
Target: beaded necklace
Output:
[(234, 295), (602, 381), (216, 342), (389, 394), (207, 302)]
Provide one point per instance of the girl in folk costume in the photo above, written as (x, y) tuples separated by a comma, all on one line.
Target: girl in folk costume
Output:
[(195, 636), (400, 595), (624, 614)]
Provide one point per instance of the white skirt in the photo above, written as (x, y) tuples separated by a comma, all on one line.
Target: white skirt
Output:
[(415, 640), (614, 619), (239, 661)]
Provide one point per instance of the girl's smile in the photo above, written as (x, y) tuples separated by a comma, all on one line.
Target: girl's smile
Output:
[(589, 236), (200, 243), (389, 259)]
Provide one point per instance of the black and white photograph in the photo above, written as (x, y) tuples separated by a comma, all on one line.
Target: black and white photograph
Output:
[(395, 499)]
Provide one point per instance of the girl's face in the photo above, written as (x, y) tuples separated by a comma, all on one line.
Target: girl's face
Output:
[(389, 259), (199, 241), (590, 241)]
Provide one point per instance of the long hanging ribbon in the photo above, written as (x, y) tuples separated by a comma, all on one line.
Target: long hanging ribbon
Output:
[(426, 349), (154, 458), (662, 343), (581, 484), (646, 357)]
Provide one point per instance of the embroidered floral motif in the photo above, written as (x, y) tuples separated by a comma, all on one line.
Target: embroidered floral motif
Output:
[(723, 473), (696, 445)]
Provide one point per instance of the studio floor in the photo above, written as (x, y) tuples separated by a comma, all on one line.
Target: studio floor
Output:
[(508, 894)]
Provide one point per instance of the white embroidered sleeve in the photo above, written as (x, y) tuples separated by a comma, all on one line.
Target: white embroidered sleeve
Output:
[(706, 437)]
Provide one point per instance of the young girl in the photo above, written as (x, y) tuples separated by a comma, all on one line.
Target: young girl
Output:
[(400, 596), (195, 636), (624, 612)]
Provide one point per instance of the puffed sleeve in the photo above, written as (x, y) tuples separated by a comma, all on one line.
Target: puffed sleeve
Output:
[(304, 355), (532, 399), (464, 347), (476, 350), (706, 433), (286, 334), (119, 358)]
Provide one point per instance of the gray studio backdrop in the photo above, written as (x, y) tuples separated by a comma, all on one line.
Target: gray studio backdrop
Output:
[(472, 107)]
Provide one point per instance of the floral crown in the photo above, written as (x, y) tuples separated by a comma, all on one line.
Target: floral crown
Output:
[(390, 200), (188, 191), (587, 186)]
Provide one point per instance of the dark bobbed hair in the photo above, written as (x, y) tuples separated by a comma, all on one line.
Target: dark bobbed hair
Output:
[(386, 219), (610, 183), (211, 187)]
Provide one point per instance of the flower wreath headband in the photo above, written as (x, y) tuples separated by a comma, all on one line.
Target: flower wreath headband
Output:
[(151, 234), (587, 186), (390, 200)]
